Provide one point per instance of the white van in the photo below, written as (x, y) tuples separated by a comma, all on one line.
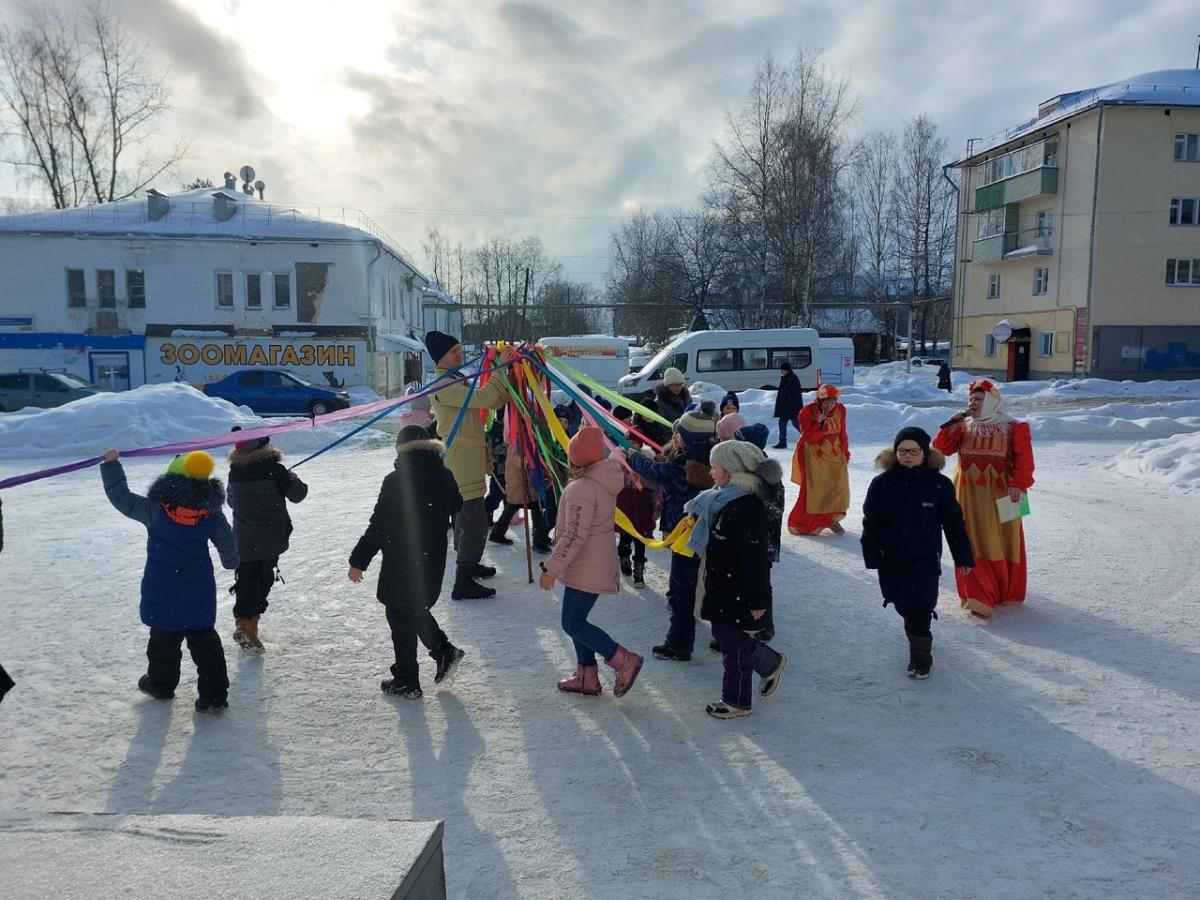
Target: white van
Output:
[(602, 357), (837, 360), (734, 360)]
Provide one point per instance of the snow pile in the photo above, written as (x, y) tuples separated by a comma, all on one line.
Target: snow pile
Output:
[(1173, 462), (144, 417)]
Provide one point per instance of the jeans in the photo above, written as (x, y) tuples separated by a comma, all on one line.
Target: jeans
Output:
[(743, 656), (252, 582), (589, 639), (681, 598), (783, 426), (408, 624), (470, 536), (163, 656)]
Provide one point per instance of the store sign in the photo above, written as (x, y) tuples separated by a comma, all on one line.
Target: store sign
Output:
[(199, 360), (275, 355)]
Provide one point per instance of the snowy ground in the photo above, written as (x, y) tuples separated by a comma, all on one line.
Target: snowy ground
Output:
[(1051, 754)]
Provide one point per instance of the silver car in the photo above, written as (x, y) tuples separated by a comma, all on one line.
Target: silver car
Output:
[(45, 389)]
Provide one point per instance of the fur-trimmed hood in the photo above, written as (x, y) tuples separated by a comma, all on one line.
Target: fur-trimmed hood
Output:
[(760, 483), (248, 457), (934, 460), (190, 493), (429, 445)]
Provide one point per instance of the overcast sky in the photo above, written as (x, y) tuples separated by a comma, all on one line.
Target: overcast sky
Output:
[(572, 113)]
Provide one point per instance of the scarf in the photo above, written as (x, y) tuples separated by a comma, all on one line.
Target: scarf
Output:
[(993, 417), (704, 508)]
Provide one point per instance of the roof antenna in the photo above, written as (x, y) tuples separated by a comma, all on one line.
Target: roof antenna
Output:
[(1198, 51)]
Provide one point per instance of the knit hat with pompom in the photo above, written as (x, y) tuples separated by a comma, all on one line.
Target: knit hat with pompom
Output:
[(196, 465)]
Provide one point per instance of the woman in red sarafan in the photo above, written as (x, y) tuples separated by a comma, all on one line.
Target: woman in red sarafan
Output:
[(995, 459), (821, 466)]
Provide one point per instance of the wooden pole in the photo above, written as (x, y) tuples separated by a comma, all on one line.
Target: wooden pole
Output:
[(527, 513)]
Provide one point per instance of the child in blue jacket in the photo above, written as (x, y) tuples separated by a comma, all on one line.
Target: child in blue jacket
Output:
[(182, 513)]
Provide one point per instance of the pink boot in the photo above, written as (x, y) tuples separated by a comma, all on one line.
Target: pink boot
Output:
[(626, 665), (585, 681)]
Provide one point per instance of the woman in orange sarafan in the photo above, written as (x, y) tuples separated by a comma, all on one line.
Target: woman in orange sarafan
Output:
[(995, 459), (821, 466)]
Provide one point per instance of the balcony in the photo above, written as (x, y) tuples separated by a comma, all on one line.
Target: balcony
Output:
[(1043, 180), (1012, 245)]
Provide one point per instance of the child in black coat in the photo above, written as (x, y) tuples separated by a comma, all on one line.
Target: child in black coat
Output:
[(409, 524), (908, 506)]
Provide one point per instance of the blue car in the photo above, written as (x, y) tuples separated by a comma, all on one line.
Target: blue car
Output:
[(274, 392)]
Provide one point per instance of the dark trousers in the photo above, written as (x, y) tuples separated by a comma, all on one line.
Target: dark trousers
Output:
[(628, 546), (783, 427), (743, 656), (6, 683), (470, 536), (588, 639), (495, 497), (252, 581), (912, 588), (163, 655), (407, 625), (681, 598), (537, 520)]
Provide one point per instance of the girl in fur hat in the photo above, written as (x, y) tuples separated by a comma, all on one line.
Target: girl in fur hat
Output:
[(821, 466), (908, 507), (995, 459), (731, 536), (182, 513)]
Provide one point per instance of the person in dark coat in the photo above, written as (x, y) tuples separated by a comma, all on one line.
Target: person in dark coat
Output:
[(944, 377), (774, 504), (732, 535), (182, 513), (6, 682), (908, 507), (498, 451), (409, 524), (729, 404), (682, 474), (259, 488), (654, 431), (671, 397), (788, 402)]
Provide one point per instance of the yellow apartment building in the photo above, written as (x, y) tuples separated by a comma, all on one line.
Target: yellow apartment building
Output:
[(1079, 237)]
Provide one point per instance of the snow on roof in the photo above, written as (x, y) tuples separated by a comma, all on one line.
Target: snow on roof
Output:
[(1165, 87), (192, 214)]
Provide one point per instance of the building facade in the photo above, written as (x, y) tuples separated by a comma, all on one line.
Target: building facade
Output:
[(192, 286), (1079, 237)]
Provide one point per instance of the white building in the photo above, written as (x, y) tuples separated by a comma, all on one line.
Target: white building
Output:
[(192, 286)]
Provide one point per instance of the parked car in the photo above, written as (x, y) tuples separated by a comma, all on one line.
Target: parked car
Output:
[(275, 392), (41, 388)]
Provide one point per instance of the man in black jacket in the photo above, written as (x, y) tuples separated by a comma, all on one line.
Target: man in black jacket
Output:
[(908, 506), (259, 484), (788, 402), (412, 514)]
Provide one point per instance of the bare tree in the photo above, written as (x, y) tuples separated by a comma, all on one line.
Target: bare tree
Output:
[(80, 99)]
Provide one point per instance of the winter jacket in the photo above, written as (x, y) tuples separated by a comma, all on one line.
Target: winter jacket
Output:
[(670, 406), (767, 485), (467, 457), (409, 526), (906, 512), (637, 501), (181, 515), (943, 377), (737, 563), (585, 551), (790, 398), (682, 475), (258, 486)]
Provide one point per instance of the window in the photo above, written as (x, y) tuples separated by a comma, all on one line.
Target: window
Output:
[(225, 290), (1183, 272), (1187, 147), (106, 287), (49, 385), (135, 288), (991, 223), (76, 291), (1184, 211), (1044, 223), (989, 344), (799, 357), (14, 382), (993, 286), (1045, 343), (1041, 280), (252, 380), (755, 359), (253, 290), (714, 361), (283, 290)]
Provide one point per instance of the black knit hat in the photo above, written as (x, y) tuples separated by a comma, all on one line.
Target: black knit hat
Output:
[(438, 343), (913, 433), (411, 433)]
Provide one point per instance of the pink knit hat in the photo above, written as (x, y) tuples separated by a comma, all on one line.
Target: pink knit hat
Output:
[(586, 447)]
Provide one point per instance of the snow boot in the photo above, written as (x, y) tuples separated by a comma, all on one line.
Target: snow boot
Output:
[(723, 710), (920, 649), (447, 663), (669, 653), (714, 646), (469, 589), (409, 691), (586, 680), (639, 572), (241, 632), (771, 681), (626, 566), (482, 571), (146, 686), (780, 446), (498, 534), (211, 705), (626, 665), (542, 546)]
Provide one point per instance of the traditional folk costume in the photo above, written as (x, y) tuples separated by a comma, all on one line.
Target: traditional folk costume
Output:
[(994, 452), (821, 466)]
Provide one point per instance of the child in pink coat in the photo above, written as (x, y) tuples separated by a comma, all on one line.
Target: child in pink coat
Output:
[(584, 559)]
